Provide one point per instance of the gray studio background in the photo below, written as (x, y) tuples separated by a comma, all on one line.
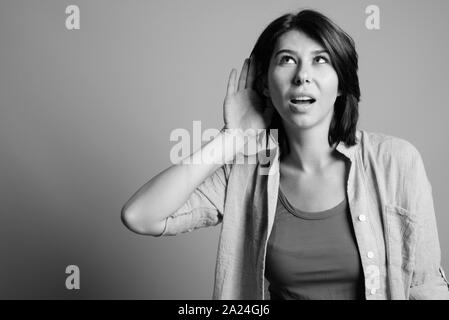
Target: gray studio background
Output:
[(86, 117)]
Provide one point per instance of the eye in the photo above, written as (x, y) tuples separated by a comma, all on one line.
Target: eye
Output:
[(321, 59), (285, 59)]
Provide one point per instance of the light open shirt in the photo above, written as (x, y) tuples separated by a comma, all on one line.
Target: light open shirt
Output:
[(390, 200)]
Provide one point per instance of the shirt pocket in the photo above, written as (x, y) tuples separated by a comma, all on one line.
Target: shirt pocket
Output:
[(401, 237)]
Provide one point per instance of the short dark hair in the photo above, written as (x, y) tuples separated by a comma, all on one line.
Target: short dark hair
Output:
[(344, 60)]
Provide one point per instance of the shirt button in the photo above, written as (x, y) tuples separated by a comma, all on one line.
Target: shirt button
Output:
[(362, 217), (373, 291), (370, 254)]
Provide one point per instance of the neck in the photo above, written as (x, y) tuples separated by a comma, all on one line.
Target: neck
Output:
[(309, 149)]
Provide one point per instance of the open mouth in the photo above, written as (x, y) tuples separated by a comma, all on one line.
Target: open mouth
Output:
[(302, 101)]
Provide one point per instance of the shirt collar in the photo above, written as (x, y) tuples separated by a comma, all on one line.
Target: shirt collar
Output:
[(350, 151), (342, 147)]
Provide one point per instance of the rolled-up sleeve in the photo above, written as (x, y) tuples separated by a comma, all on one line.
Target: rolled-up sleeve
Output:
[(204, 207), (428, 280)]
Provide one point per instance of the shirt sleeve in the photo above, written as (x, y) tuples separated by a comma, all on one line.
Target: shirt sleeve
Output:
[(203, 208), (428, 280)]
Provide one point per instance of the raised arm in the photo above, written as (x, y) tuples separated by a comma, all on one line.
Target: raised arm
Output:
[(146, 211)]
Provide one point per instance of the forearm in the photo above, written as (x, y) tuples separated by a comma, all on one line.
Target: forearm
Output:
[(170, 189)]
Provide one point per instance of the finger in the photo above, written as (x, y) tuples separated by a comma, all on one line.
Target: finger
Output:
[(231, 83), (251, 74), (243, 74)]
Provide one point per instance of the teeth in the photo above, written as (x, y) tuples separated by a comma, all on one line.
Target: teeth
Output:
[(303, 98)]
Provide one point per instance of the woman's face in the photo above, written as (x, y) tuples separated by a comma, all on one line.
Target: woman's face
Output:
[(300, 68)]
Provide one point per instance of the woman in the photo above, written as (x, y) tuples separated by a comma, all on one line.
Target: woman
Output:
[(332, 213)]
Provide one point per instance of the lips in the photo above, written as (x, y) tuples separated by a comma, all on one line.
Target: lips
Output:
[(302, 101)]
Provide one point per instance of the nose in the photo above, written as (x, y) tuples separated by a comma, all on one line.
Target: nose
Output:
[(302, 75)]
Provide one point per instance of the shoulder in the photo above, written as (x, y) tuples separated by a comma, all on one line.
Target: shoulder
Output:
[(395, 165), (387, 148)]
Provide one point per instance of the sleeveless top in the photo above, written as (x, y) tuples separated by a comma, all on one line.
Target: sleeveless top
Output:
[(313, 255)]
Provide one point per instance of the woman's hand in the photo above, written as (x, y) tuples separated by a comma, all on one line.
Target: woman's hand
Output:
[(243, 107)]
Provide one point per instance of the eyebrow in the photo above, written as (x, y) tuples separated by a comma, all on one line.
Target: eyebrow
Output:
[(293, 52)]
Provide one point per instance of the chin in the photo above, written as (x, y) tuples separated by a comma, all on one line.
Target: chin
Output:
[(301, 122), (305, 124), (307, 121)]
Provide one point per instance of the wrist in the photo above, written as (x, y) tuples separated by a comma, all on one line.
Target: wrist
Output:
[(238, 132), (232, 142)]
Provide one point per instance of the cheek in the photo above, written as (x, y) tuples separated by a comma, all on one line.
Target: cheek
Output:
[(277, 85), (275, 93), (330, 84)]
